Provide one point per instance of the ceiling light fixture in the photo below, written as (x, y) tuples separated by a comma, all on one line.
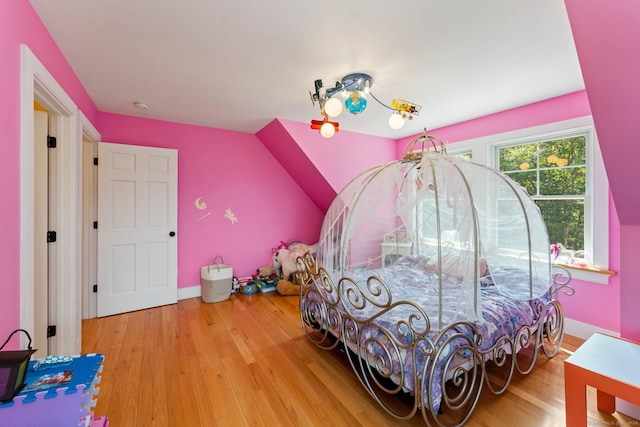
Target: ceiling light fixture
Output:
[(355, 88), (326, 128)]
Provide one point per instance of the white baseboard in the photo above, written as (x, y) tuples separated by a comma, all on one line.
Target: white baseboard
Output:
[(190, 292), (584, 330)]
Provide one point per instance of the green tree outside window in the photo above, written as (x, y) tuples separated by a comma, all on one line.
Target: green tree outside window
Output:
[(554, 173)]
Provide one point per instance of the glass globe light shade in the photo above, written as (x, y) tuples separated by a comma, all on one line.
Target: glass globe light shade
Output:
[(396, 121), (333, 107), (356, 102), (327, 130)]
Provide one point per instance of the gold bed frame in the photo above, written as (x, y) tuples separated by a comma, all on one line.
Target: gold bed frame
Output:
[(331, 323)]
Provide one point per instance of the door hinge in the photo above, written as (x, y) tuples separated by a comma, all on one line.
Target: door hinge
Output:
[(95, 288), (51, 236), (95, 161), (95, 224), (51, 141), (51, 331)]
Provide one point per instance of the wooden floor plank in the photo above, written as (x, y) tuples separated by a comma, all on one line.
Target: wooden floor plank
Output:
[(247, 361)]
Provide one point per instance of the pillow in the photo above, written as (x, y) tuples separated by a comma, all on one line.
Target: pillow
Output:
[(452, 266)]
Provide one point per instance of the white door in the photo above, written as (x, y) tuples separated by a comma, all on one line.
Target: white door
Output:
[(137, 227)]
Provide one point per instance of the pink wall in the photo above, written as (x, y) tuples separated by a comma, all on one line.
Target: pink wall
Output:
[(321, 166), (285, 149), (606, 36), (19, 24), (228, 170), (552, 110), (610, 62), (585, 305), (343, 156)]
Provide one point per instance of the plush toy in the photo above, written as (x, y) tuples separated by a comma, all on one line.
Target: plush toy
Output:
[(285, 287), (284, 260), (266, 271), (235, 285)]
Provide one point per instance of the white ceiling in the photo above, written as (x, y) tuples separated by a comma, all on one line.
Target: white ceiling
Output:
[(239, 64)]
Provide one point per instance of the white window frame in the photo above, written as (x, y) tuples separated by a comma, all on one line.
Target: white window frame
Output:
[(484, 151)]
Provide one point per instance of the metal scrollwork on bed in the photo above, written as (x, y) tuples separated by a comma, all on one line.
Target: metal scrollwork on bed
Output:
[(405, 363), (434, 276)]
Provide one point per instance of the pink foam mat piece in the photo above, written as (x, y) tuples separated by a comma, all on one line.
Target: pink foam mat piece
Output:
[(99, 422)]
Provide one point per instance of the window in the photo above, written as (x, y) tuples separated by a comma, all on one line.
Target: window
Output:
[(466, 154), (554, 173), (561, 168)]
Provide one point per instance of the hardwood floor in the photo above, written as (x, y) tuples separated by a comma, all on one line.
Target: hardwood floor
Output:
[(247, 361)]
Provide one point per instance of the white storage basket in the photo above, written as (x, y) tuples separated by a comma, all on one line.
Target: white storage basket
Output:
[(216, 281)]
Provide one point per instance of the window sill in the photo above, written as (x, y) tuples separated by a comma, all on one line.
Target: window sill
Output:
[(588, 274)]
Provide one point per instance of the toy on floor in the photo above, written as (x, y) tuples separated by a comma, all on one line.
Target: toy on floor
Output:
[(284, 259), (286, 288), (248, 286), (263, 281), (266, 271), (235, 285)]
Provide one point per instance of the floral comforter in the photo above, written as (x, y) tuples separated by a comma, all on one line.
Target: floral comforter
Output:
[(409, 281)]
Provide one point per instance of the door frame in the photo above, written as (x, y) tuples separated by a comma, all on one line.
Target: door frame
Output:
[(37, 84), (43, 314), (90, 139)]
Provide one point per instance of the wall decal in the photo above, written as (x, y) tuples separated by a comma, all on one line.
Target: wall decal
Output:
[(200, 203), (230, 216), (204, 216)]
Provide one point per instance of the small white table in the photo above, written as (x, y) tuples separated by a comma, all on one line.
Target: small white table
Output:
[(611, 365), (391, 251)]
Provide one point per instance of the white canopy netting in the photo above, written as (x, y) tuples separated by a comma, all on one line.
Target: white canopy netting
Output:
[(464, 220)]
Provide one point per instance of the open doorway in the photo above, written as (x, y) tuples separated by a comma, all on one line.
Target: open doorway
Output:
[(67, 123)]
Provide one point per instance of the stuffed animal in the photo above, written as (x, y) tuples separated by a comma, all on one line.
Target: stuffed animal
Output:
[(266, 271), (285, 287), (235, 285), (284, 260)]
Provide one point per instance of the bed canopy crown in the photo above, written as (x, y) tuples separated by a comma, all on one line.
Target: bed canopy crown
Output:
[(462, 219)]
